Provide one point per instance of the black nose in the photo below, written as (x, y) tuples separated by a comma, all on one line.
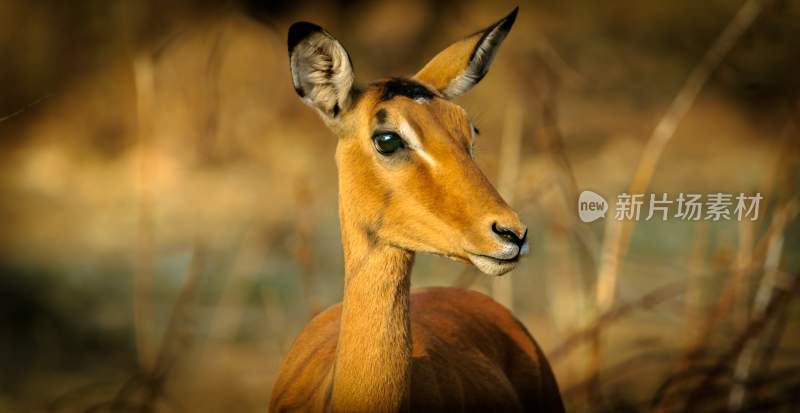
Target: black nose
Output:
[(509, 235)]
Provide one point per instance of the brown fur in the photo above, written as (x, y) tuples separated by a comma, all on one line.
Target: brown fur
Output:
[(384, 349), (469, 354), (448, 64)]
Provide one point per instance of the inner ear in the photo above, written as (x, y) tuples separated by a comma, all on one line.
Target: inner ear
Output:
[(461, 66), (322, 73)]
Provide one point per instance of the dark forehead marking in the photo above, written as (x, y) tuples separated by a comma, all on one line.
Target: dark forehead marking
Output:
[(405, 87), (380, 116)]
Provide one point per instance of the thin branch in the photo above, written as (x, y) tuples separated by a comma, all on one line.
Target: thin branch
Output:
[(618, 232), (778, 300), (769, 282), (24, 108), (144, 83), (615, 247), (648, 300)]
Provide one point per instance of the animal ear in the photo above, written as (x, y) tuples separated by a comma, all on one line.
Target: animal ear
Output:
[(461, 66), (321, 69)]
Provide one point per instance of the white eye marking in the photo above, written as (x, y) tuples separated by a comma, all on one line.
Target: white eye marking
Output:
[(410, 135)]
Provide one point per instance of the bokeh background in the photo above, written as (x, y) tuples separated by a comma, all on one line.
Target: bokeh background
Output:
[(168, 215)]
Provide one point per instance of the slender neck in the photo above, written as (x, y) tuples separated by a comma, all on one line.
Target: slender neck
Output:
[(373, 358)]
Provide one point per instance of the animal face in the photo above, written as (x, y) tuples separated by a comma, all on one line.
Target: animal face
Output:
[(407, 176)]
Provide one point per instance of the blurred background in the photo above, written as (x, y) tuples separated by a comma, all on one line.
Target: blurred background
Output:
[(168, 205)]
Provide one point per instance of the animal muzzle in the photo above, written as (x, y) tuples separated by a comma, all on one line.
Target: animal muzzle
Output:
[(507, 242)]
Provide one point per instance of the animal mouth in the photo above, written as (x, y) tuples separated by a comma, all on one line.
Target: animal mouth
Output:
[(513, 259), (488, 264)]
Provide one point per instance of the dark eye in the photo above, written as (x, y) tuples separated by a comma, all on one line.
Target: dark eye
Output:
[(387, 142)]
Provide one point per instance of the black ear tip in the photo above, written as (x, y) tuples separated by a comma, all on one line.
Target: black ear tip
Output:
[(508, 21), (299, 31)]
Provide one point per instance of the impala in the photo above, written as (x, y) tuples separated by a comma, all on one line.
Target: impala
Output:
[(408, 183)]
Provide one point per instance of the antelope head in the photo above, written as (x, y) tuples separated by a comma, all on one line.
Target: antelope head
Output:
[(407, 174)]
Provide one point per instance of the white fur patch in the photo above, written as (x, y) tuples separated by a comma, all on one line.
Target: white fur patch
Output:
[(461, 84), (410, 135)]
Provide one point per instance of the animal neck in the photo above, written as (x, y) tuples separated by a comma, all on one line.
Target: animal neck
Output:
[(372, 368)]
